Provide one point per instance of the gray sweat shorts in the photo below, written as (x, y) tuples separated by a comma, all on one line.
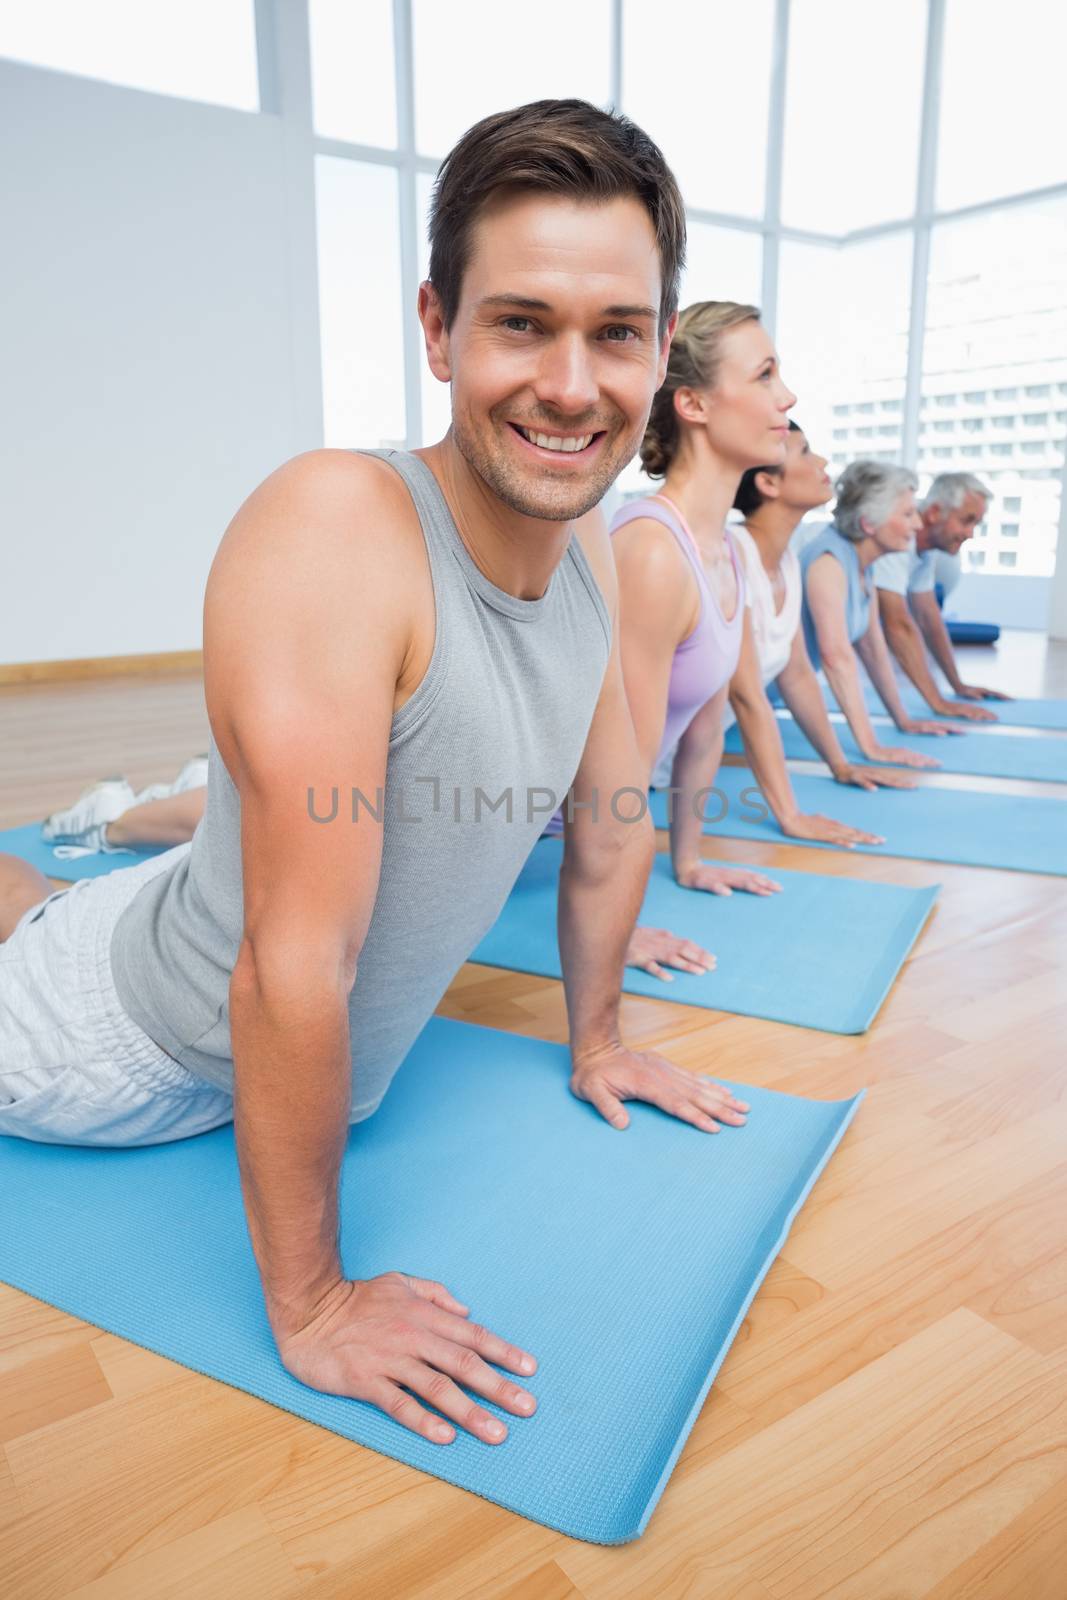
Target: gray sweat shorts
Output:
[(74, 1066)]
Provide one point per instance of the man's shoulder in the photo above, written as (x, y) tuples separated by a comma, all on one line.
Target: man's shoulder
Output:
[(322, 576), (335, 483), (892, 572), (321, 505), (923, 571)]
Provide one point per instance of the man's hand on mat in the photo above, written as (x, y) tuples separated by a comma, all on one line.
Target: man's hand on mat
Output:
[(969, 713), (923, 725), (972, 691), (900, 758), (608, 1076), (391, 1338), (724, 880), (824, 830), (874, 777), (654, 949)]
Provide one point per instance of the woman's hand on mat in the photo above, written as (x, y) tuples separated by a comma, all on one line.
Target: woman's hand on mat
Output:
[(824, 830), (395, 1340), (969, 713), (900, 758), (923, 725), (874, 777), (973, 691), (654, 949), (724, 880), (611, 1074)]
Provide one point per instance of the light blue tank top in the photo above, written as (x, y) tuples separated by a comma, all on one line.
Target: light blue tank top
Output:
[(857, 596)]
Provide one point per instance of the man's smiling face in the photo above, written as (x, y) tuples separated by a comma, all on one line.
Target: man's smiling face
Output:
[(555, 350)]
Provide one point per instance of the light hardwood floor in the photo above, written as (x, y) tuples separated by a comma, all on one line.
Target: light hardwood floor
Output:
[(891, 1423)]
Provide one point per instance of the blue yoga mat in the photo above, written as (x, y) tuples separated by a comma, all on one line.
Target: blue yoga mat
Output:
[(986, 754), (972, 632), (1025, 834), (822, 954), (27, 843), (1015, 713), (624, 1261)]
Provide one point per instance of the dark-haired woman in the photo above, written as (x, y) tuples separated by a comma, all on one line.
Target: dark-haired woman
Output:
[(773, 501)]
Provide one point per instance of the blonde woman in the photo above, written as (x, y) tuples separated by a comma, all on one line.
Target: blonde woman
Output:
[(684, 622)]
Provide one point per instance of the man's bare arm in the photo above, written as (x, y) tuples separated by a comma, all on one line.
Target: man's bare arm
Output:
[(312, 640), (928, 614), (305, 636), (874, 653), (904, 640)]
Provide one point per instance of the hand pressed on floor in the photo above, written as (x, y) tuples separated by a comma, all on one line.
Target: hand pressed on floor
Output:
[(724, 880), (655, 949), (612, 1074), (395, 1340)]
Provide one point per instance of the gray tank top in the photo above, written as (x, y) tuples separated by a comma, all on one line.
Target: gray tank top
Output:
[(480, 755)]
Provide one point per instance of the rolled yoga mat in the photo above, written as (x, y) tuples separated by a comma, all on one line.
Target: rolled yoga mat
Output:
[(1050, 714), (972, 632), (1024, 834), (624, 1261), (28, 843), (985, 754), (822, 954)]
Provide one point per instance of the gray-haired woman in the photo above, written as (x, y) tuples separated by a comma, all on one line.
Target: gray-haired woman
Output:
[(874, 515)]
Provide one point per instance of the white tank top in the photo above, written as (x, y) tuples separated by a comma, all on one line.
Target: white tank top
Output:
[(774, 631)]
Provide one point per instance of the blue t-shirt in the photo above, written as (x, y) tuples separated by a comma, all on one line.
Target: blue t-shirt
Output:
[(858, 594), (906, 572)]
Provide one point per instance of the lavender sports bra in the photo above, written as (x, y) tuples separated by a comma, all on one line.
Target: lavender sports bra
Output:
[(708, 658)]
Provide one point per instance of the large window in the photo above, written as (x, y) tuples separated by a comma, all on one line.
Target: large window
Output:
[(435, 396), (473, 57), (360, 303), (194, 49), (843, 317), (853, 109), (816, 176), (994, 361), (697, 77), (1002, 122), (721, 264), (353, 75)]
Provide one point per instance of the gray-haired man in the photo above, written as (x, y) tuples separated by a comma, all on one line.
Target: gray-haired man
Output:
[(955, 504)]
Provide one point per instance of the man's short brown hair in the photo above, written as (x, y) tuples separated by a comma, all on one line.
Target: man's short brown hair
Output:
[(564, 147)]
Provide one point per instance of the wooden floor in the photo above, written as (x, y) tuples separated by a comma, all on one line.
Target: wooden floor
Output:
[(892, 1420)]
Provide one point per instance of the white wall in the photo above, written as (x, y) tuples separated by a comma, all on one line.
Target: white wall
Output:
[(147, 337)]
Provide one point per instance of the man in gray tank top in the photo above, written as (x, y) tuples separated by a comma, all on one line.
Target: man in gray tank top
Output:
[(409, 659)]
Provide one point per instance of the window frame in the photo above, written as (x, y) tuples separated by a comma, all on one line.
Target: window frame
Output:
[(283, 53)]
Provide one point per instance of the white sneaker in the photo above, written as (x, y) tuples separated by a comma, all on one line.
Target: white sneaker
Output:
[(97, 807), (192, 776), (154, 791)]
